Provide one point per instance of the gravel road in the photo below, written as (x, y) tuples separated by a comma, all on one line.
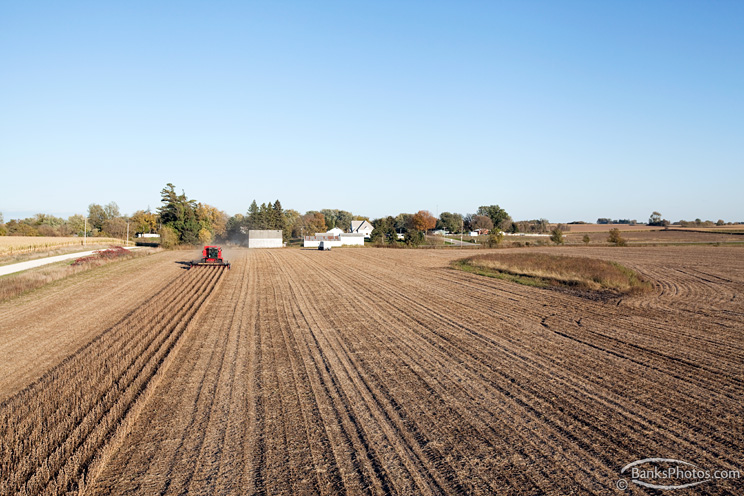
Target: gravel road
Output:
[(13, 268)]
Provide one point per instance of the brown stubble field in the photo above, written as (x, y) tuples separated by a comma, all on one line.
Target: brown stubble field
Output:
[(385, 372)]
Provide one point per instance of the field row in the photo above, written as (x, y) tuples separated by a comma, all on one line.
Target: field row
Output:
[(55, 432)]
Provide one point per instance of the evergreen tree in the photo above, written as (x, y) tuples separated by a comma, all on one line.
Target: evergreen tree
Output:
[(253, 216), (280, 222), (263, 216), (179, 213)]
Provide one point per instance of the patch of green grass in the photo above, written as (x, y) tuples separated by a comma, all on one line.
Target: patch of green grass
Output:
[(543, 270), (527, 281)]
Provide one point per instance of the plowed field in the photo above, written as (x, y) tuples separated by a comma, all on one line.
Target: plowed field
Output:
[(388, 372)]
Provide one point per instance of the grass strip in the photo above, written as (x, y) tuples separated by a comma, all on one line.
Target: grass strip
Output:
[(543, 270)]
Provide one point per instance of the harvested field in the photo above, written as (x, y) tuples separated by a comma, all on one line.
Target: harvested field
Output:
[(585, 228), (39, 329), (649, 237), (388, 372)]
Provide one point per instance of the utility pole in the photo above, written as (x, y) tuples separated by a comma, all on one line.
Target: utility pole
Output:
[(85, 232), (127, 242)]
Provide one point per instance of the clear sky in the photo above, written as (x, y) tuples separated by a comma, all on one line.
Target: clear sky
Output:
[(558, 109)]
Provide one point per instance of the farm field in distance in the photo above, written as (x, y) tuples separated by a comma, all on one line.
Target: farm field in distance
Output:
[(370, 371), (28, 244)]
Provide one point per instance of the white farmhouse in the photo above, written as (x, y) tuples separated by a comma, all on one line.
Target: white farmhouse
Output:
[(361, 227), (335, 231)]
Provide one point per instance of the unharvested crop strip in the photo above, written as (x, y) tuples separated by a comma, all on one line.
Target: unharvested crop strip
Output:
[(120, 362)]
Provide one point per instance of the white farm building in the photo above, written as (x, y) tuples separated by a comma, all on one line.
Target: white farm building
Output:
[(334, 239), (265, 238)]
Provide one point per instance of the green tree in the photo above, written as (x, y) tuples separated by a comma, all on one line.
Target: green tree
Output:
[(450, 222), (263, 217), (179, 213), (497, 215), (330, 217), (414, 238), (404, 222), (293, 223), (96, 216), (252, 217), (76, 224), (556, 236), (343, 220), (111, 210), (279, 220), (384, 231), (270, 218)]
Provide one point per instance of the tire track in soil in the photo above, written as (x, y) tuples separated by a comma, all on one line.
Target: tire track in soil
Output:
[(181, 424), (341, 386), (472, 429), (418, 357), (448, 477), (392, 298), (93, 408), (697, 428), (350, 449), (320, 477), (361, 387), (692, 374)]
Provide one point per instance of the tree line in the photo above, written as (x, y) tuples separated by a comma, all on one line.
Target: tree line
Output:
[(181, 220)]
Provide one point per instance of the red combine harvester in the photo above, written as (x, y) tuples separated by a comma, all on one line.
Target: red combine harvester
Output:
[(211, 257)]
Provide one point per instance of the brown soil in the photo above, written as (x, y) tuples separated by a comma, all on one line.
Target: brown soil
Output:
[(388, 372), (39, 329)]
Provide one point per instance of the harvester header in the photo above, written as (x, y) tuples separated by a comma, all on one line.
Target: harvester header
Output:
[(211, 257)]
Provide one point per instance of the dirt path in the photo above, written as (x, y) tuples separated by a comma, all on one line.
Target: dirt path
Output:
[(40, 262)]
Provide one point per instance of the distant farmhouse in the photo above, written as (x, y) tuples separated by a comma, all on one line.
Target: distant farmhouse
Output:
[(337, 237), (361, 227)]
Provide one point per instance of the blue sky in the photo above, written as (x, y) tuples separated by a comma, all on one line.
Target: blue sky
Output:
[(563, 110)]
